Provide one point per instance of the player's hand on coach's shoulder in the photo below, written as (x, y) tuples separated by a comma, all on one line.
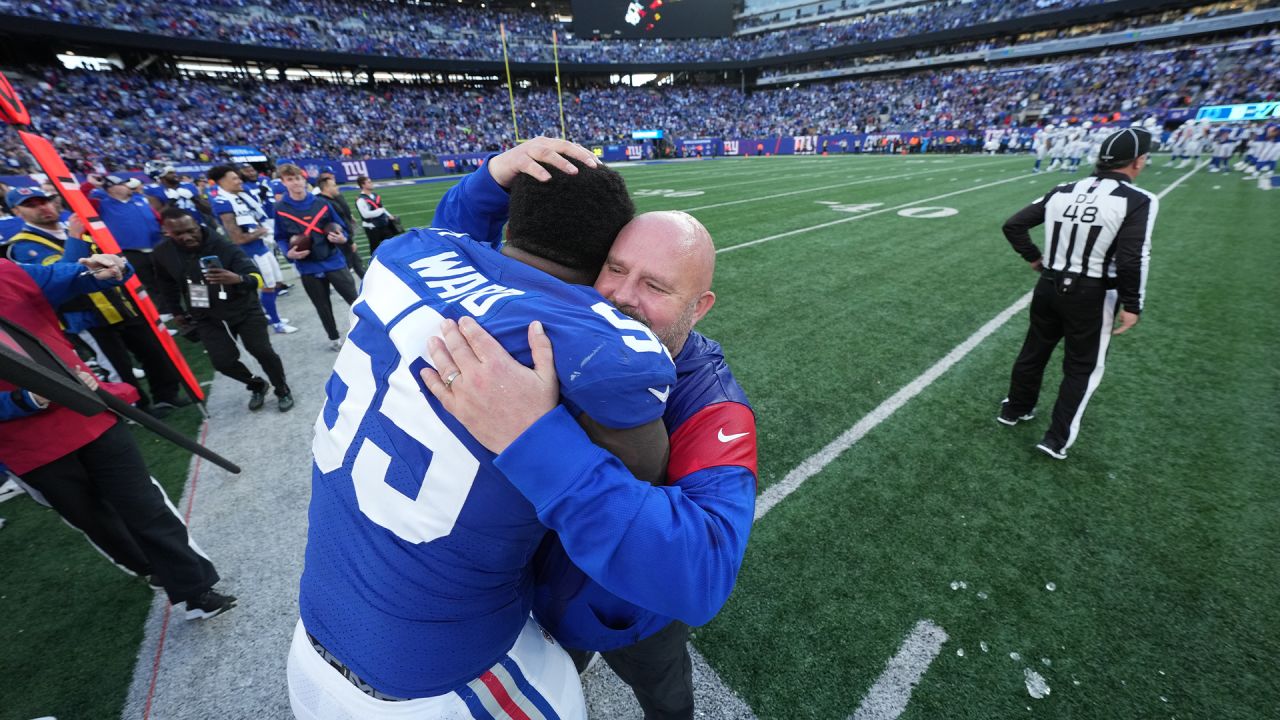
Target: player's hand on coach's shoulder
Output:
[(494, 397), (524, 158), (1126, 321)]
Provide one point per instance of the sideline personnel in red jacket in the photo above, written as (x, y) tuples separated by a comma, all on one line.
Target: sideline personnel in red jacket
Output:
[(89, 469)]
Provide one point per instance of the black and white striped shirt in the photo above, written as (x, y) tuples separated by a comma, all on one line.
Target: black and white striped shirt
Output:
[(1098, 227)]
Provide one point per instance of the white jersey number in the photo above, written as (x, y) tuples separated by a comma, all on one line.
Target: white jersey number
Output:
[(448, 476)]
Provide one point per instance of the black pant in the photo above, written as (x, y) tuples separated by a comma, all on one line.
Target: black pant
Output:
[(145, 269), (658, 670), (376, 235), (354, 261), (105, 490), (219, 339), (317, 287), (1083, 318), (133, 336)]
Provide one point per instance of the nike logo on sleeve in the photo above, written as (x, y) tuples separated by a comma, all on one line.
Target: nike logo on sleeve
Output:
[(661, 395), (729, 438)]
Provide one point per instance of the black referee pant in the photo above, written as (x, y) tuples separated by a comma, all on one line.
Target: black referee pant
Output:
[(658, 670), (219, 340), (317, 287), (1084, 318), (133, 336), (105, 490)]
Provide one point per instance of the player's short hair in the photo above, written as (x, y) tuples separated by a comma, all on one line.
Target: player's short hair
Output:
[(290, 169), (362, 179), (173, 212), (569, 219), (217, 172)]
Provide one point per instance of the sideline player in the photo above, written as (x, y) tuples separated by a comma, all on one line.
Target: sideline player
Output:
[(417, 588), (247, 224), (1096, 255)]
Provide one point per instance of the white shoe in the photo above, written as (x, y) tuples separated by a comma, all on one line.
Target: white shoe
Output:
[(283, 328), (1264, 182)]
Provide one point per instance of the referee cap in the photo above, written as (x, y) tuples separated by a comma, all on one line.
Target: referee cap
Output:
[(1124, 146)]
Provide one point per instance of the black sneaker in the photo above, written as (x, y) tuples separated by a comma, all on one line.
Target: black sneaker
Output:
[(1051, 451), (285, 402), (1004, 418), (210, 604), (257, 393)]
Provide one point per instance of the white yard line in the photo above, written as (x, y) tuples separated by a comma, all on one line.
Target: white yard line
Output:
[(820, 460), (860, 216), (817, 189), (889, 696)]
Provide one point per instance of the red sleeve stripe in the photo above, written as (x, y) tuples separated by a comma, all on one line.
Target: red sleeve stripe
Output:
[(717, 435)]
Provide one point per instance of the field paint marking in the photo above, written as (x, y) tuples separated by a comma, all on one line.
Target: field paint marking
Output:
[(819, 226), (824, 457), (889, 696), (821, 188), (814, 464)]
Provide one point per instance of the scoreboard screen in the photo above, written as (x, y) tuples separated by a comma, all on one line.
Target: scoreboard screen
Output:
[(653, 18)]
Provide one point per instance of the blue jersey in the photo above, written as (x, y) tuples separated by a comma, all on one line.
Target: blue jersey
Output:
[(418, 563), (183, 196), (310, 216), (265, 195), (132, 222), (683, 544), (248, 213)]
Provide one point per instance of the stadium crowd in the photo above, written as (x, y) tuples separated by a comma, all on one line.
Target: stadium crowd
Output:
[(118, 120), (378, 27)]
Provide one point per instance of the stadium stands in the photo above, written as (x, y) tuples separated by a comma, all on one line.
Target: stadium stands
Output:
[(123, 119), (377, 27)]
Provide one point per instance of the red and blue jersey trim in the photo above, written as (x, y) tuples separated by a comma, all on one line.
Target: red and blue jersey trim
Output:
[(504, 693)]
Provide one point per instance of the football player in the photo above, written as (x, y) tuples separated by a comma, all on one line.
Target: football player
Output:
[(417, 588), (246, 222)]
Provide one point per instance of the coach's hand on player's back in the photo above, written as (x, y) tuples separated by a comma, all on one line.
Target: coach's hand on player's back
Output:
[(524, 158), (485, 388), (1127, 320)]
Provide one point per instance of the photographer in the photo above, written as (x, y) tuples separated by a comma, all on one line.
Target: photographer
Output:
[(211, 287)]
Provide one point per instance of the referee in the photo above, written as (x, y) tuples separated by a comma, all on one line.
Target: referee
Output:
[(1098, 247)]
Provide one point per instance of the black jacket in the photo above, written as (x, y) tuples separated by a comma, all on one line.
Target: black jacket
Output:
[(177, 267)]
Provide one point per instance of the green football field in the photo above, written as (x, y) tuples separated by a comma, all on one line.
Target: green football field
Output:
[(872, 309)]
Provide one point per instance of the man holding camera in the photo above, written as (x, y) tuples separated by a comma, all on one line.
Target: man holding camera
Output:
[(211, 288)]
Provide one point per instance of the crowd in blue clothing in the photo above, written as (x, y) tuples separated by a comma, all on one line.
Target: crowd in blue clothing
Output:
[(446, 30), (121, 119)]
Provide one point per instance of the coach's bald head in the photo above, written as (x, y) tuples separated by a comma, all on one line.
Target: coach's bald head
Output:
[(659, 272)]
